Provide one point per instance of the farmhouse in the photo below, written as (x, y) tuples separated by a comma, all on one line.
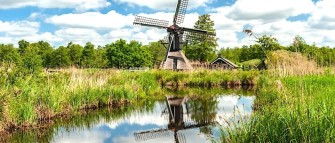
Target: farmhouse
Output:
[(222, 63)]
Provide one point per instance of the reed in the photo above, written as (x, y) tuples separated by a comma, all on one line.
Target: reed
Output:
[(301, 109), (26, 100)]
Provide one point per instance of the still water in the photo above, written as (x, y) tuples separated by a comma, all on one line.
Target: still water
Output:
[(190, 117)]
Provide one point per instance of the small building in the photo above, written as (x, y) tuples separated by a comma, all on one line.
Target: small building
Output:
[(222, 63)]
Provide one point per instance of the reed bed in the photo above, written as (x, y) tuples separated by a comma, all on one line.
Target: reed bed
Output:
[(27, 100), (301, 109), (284, 63)]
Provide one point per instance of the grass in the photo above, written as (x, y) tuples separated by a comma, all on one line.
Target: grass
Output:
[(26, 100), (207, 78), (298, 109)]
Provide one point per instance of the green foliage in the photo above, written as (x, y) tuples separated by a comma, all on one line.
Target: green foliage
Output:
[(45, 51), (158, 52), (202, 49), (61, 58), (101, 60), (23, 45), (75, 53), (300, 109), (31, 61), (88, 56), (9, 54), (122, 54), (125, 55)]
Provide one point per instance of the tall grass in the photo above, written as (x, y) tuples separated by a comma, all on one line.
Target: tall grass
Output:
[(208, 78), (25, 100), (30, 99), (285, 63), (301, 109)]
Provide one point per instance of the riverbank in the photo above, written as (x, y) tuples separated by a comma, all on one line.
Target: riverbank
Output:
[(291, 109), (26, 100)]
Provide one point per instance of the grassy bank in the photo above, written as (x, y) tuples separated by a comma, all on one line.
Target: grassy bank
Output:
[(291, 109), (28, 99)]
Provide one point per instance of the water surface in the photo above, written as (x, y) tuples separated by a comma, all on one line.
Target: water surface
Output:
[(189, 117)]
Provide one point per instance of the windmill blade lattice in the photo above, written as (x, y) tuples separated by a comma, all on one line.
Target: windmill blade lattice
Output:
[(191, 36), (151, 134), (181, 138), (151, 22), (180, 11)]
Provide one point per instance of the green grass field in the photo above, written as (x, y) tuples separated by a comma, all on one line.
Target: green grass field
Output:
[(297, 109)]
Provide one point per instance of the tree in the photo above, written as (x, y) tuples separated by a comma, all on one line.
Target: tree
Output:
[(115, 53), (202, 49), (45, 51), (75, 53), (232, 54), (298, 45), (158, 52), (61, 58), (123, 55), (101, 60), (23, 45), (140, 55), (31, 61), (268, 44), (88, 56), (9, 54)]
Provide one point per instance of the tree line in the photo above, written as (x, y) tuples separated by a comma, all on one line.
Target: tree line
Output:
[(119, 54), (323, 56)]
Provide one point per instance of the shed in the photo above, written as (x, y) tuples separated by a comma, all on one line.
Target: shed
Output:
[(222, 63)]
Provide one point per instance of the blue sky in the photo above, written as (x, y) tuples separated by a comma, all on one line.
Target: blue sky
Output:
[(104, 21)]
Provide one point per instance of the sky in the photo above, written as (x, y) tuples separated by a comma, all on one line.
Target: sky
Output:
[(104, 21)]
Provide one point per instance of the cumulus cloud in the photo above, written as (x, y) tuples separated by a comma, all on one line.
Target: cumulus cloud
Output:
[(20, 28), (79, 5), (94, 20), (269, 10), (322, 17), (164, 4)]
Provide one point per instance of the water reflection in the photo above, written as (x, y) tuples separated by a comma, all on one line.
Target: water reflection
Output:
[(182, 114), (188, 115)]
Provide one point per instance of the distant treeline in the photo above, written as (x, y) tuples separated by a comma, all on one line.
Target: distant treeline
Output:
[(120, 54), (123, 54), (324, 56)]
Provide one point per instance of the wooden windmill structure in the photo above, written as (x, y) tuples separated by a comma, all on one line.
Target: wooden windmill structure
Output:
[(178, 120), (177, 36)]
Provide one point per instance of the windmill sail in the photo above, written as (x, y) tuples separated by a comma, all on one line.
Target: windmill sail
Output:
[(151, 22), (179, 15)]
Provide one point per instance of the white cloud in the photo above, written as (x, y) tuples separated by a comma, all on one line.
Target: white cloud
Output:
[(82, 136), (269, 10), (80, 36), (323, 15), (94, 20), (79, 5), (164, 4), (19, 28), (7, 4)]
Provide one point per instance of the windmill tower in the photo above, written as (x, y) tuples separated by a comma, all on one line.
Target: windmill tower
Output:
[(177, 36)]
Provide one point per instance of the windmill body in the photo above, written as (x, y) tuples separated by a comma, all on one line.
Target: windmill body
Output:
[(177, 36)]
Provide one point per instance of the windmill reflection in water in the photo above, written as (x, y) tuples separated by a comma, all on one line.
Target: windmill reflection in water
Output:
[(179, 117)]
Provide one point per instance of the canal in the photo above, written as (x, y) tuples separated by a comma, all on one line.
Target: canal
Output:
[(194, 116)]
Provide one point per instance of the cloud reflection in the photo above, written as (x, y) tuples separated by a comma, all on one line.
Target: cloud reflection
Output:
[(122, 130)]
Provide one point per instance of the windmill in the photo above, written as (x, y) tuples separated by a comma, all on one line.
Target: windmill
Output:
[(177, 36), (178, 118)]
